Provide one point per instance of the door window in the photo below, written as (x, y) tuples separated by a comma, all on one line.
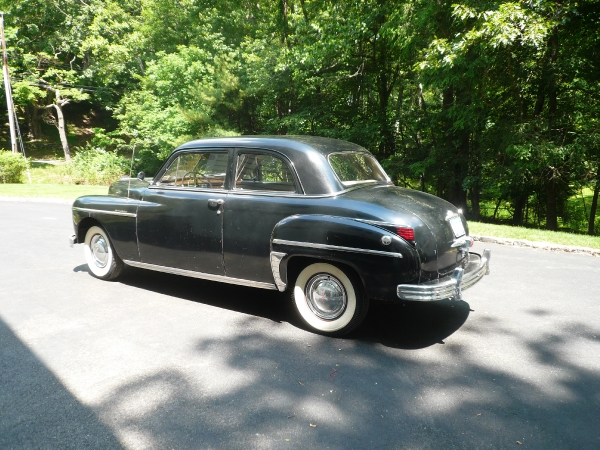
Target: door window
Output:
[(197, 170), (263, 172)]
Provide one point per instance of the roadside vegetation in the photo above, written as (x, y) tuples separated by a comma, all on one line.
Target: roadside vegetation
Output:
[(60, 191), (492, 106), (533, 234)]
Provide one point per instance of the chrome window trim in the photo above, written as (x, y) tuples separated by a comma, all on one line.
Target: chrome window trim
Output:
[(309, 196), (202, 275), (336, 248), (177, 153), (112, 213), (265, 151), (185, 189), (276, 258), (268, 193), (271, 193)]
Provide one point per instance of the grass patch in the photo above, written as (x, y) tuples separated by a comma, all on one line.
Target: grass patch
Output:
[(532, 234), (65, 191)]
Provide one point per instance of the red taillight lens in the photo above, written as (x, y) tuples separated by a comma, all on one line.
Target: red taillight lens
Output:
[(406, 233)]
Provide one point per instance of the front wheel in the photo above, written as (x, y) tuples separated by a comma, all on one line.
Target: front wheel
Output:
[(102, 260), (330, 300)]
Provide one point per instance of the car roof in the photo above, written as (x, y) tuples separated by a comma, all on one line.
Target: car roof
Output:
[(308, 154)]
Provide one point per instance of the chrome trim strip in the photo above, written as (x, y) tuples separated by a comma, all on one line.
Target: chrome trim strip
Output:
[(202, 275), (448, 287), (267, 193), (276, 258), (187, 189), (112, 213), (336, 247), (382, 224)]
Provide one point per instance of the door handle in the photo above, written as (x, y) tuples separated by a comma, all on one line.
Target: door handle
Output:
[(216, 203), (213, 203)]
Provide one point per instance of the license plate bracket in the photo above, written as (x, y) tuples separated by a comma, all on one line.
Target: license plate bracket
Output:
[(457, 226)]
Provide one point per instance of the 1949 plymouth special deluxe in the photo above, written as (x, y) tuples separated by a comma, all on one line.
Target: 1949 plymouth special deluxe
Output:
[(316, 217)]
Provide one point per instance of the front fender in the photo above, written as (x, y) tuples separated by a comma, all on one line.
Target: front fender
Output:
[(353, 243), (117, 215)]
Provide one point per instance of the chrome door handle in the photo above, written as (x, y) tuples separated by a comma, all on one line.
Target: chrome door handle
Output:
[(216, 203), (213, 203)]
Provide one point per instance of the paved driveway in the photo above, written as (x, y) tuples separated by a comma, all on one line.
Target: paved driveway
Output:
[(161, 361)]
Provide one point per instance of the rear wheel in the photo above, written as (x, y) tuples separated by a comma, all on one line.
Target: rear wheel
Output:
[(103, 261), (329, 300)]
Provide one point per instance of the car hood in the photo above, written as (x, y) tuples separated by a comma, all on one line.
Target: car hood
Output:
[(427, 214)]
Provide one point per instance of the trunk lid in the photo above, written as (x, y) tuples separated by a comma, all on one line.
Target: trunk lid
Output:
[(437, 224)]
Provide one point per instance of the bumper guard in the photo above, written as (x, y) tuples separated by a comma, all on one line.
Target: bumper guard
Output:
[(450, 286)]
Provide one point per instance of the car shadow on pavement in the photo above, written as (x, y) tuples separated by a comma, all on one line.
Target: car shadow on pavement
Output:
[(408, 325), (37, 410), (413, 325)]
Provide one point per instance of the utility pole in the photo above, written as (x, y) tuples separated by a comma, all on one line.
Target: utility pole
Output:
[(7, 89)]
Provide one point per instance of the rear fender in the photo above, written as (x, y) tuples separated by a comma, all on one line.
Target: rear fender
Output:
[(380, 258)]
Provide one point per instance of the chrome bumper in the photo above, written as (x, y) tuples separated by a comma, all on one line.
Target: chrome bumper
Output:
[(451, 286), (72, 240)]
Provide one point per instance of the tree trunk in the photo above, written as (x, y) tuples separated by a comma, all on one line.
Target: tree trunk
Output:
[(552, 88), (34, 122), (62, 131), (551, 209), (475, 205), (283, 10), (592, 220), (497, 207), (520, 202), (304, 13)]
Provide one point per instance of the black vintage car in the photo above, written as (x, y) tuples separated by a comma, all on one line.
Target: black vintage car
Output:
[(315, 217)]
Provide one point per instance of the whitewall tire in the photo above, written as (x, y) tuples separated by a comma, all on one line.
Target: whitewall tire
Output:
[(102, 260), (328, 299)]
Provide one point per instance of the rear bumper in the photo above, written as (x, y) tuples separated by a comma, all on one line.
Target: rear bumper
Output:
[(451, 286)]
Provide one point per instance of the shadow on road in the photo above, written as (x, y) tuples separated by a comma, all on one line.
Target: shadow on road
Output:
[(409, 325), (272, 388), (36, 410)]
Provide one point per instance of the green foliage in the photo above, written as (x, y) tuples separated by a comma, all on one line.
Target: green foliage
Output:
[(93, 165), (12, 167), (483, 103)]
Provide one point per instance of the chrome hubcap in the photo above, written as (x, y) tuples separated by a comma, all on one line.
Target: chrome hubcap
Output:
[(99, 248), (326, 296)]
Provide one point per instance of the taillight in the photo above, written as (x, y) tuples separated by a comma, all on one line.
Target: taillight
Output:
[(406, 233)]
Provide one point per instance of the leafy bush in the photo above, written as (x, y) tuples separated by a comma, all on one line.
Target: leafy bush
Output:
[(92, 165), (12, 167)]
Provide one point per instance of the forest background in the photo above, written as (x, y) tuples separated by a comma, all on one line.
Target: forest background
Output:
[(491, 105)]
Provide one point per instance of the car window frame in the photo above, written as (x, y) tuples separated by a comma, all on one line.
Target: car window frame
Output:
[(263, 151), (359, 182), (176, 154)]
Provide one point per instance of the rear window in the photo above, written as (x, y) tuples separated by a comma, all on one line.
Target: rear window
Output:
[(356, 168)]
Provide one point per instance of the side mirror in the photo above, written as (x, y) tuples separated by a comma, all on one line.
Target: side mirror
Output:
[(141, 176)]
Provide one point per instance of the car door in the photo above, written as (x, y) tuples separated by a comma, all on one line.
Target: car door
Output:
[(264, 191), (180, 218)]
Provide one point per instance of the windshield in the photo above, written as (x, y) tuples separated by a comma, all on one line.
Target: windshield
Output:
[(355, 168)]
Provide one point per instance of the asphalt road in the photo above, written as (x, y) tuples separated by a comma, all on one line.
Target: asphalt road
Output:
[(161, 361)]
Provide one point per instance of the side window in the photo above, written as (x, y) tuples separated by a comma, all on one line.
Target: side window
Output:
[(262, 172), (197, 170)]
